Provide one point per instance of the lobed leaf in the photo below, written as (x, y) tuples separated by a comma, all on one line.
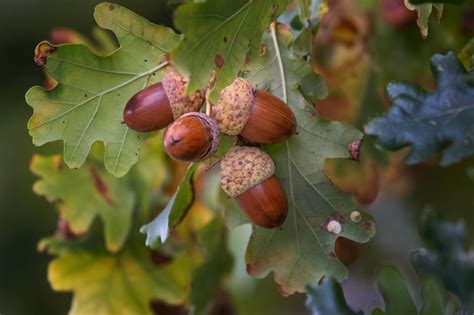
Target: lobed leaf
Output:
[(87, 103), (447, 260), (424, 10), (218, 36), (82, 195), (301, 251), (430, 122), (105, 283), (327, 298)]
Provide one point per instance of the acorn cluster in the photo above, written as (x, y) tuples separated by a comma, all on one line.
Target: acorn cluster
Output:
[(247, 172)]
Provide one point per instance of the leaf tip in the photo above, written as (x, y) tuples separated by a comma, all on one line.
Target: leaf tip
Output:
[(144, 229), (42, 52)]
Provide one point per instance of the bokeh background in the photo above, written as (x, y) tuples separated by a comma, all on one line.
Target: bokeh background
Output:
[(25, 218)]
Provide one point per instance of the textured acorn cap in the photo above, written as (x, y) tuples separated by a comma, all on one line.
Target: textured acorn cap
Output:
[(244, 167), (175, 86), (234, 106)]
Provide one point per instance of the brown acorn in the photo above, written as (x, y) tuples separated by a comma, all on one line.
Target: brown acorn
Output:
[(247, 174), (158, 105), (254, 114), (192, 137)]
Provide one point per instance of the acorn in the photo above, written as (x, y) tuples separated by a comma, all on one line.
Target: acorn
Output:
[(253, 114), (158, 105), (247, 174), (192, 137)]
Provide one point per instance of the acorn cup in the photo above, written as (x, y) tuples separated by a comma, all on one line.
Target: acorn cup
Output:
[(192, 137), (247, 174), (158, 105), (253, 114)]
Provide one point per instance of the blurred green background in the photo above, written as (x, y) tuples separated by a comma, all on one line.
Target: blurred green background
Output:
[(25, 217)]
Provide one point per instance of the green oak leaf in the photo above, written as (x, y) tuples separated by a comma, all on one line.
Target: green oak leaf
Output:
[(82, 195), (399, 301), (87, 104), (424, 11), (219, 36), (447, 258), (105, 283), (430, 122), (157, 231), (328, 298), (300, 252)]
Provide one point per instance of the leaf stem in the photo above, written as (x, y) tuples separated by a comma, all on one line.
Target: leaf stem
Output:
[(280, 62), (208, 104)]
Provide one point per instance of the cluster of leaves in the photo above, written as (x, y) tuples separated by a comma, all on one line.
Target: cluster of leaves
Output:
[(328, 297), (85, 104), (445, 266), (172, 275), (447, 259), (431, 122)]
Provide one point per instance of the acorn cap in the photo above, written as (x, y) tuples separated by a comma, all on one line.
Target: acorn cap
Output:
[(234, 106), (175, 86), (243, 168)]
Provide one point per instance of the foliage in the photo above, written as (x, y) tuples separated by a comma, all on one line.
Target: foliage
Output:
[(105, 263), (158, 230), (106, 283), (424, 10), (219, 37), (313, 201), (83, 194), (431, 122), (447, 259), (87, 103), (327, 298)]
